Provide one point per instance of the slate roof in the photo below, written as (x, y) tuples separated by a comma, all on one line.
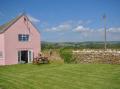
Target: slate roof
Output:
[(5, 26)]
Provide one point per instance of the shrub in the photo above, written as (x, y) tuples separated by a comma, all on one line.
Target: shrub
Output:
[(66, 54)]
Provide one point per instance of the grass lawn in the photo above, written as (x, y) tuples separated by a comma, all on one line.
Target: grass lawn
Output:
[(60, 76)]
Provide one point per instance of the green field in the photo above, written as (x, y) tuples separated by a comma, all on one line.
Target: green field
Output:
[(60, 76)]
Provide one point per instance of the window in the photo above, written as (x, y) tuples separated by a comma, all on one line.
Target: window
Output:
[(23, 37), (1, 55)]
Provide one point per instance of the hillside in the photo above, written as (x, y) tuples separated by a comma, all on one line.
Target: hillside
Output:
[(81, 45)]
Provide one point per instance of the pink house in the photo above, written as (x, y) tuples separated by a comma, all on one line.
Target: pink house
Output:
[(19, 41)]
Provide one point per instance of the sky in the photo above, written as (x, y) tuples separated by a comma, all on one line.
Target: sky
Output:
[(67, 20)]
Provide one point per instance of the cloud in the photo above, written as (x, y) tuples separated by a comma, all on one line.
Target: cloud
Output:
[(114, 30), (33, 19), (78, 31), (84, 31), (67, 25), (113, 33), (59, 28), (81, 29)]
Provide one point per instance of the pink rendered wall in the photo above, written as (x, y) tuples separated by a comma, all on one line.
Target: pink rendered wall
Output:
[(2, 59), (13, 45)]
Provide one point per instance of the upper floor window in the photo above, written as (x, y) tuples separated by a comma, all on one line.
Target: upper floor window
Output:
[(23, 37)]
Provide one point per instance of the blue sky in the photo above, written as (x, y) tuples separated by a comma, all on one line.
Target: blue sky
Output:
[(67, 20)]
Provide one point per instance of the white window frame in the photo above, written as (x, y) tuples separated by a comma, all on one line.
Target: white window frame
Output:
[(23, 37), (30, 57)]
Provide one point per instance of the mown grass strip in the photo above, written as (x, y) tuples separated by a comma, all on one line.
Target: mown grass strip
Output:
[(60, 76)]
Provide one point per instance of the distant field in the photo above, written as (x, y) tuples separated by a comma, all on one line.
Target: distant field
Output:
[(60, 76)]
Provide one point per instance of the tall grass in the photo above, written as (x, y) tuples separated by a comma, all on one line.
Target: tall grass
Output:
[(66, 54)]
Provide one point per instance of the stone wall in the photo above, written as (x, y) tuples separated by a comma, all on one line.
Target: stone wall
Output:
[(97, 56)]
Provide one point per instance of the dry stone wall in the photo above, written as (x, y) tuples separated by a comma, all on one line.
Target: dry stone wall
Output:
[(97, 56)]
